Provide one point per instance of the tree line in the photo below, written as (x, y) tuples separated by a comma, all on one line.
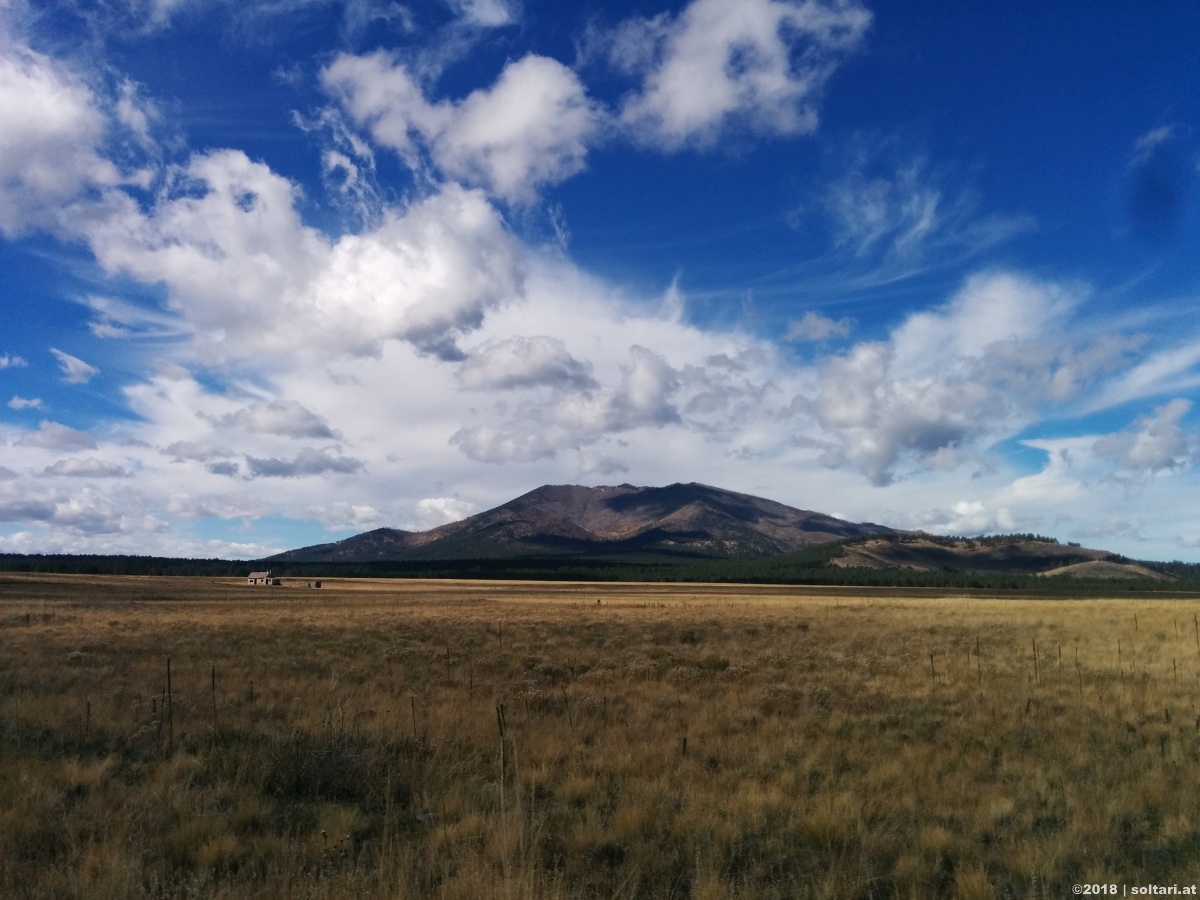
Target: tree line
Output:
[(809, 566)]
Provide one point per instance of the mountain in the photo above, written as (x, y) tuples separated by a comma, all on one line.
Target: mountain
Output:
[(680, 520), (564, 525)]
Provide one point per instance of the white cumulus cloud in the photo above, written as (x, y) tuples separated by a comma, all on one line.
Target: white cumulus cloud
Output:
[(426, 277), (344, 516), (944, 379), (50, 150), (434, 511), (576, 418), (253, 280), (290, 419), (55, 436), (965, 517), (521, 362), (306, 463), (1157, 442), (813, 326), (528, 130), (86, 468), (757, 64)]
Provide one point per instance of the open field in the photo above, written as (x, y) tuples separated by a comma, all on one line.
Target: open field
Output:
[(658, 741)]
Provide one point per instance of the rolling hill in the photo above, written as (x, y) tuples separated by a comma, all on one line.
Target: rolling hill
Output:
[(1010, 555)]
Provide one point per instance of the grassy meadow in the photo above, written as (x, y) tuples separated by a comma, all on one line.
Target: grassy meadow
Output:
[(536, 740)]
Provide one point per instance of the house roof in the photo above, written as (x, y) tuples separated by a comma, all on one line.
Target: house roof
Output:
[(259, 575)]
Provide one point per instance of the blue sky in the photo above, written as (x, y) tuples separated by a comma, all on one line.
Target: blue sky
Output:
[(273, 273)]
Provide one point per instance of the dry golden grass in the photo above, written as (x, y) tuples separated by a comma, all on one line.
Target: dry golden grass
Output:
[(659, 741)]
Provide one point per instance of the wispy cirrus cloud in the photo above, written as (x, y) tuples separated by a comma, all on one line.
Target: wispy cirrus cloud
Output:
[(73, 369), (253, 22), (487, 13), (1160, 176), (119, 319), (348, 167), (1163, 371), (896, 213)]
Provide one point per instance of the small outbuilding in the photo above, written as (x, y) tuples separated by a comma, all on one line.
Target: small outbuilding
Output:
[(314, 584)]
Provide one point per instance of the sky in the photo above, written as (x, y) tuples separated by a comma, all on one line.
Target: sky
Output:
[(276, 272)]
